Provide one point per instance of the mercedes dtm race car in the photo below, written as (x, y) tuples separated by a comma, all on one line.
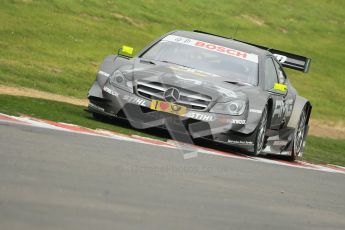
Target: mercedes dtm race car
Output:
[(209, 86)]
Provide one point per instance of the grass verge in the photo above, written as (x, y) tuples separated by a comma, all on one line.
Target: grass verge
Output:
[(63, 112), (325, 150), (318, 150)]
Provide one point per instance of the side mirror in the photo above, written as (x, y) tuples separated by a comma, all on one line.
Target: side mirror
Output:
[(125, 51), (279, 89)]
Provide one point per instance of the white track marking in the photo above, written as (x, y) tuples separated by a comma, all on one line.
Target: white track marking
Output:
[(26, 120)]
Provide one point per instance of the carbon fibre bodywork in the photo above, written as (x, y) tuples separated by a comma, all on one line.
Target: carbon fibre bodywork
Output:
[(146, 81)]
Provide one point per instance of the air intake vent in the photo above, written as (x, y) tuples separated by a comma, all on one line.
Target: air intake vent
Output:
[(190, 99)]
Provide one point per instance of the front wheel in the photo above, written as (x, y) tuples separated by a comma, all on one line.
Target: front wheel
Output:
[(261, 133), (299, 136)]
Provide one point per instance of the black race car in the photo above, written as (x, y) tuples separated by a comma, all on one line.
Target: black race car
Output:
[(207, 86)]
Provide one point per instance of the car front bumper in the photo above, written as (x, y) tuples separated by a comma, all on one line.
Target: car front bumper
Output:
[(113, 101)]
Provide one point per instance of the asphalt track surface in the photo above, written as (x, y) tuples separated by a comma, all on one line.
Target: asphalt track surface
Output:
[(51, 179)]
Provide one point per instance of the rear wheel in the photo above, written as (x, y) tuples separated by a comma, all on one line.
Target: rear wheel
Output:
[(299, 136), (261, 133)]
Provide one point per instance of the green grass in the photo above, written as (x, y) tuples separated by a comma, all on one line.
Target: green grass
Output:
[(67, 113), (318, 150), (57, 45), (325, 150)]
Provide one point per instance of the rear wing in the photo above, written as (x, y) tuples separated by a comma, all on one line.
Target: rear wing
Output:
[(288, 60)]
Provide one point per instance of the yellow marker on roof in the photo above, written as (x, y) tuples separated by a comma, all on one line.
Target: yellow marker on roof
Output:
[(280, 87), (127, 49)]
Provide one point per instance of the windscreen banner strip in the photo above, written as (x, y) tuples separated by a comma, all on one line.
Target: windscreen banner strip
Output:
[(213, 47)]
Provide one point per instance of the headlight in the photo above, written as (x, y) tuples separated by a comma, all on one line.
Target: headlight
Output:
[(236, 107), (118, 80)]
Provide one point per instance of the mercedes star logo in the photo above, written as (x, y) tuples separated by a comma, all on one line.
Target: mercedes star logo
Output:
[(172, 95)]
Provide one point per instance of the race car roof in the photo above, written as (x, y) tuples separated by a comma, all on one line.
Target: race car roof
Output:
[(287, 59), (221, 41)]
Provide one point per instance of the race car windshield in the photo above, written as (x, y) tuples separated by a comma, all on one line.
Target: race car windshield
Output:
[(234, 68)]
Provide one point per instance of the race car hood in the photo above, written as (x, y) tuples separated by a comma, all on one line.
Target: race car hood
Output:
[(220, 88)]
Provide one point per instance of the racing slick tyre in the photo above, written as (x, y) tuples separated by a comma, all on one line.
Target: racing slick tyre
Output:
[(260, 139), (299, 136)]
